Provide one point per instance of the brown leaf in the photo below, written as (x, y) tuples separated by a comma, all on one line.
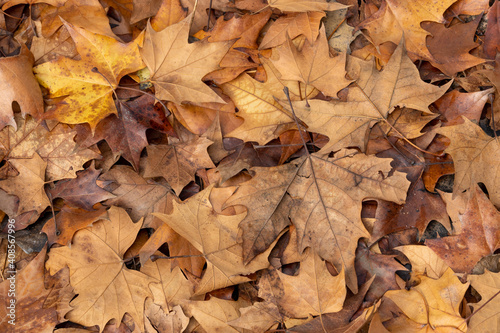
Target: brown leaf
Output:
[(312, 65), (98, 272), (177, 75), (82, 191), (37, 309), (19, 85), (485, 318), (450, 46), (305, 5), (293, 25), (177, 162), (480, 235)]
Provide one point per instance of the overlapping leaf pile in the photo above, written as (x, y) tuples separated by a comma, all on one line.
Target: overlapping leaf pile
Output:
[(246, 166)]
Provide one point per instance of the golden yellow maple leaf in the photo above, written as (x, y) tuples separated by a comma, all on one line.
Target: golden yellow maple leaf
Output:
[(88, 83)]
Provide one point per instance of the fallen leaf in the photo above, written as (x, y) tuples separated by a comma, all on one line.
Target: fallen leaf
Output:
[(19, 85), (479, 237), (433, 304), (485, 318), (177, 76), (88, 83), (305, 5), (312, 65), (98, 272)]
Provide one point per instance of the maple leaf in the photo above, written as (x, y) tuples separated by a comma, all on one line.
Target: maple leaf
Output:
[(29, 185), (177, 162), (40, 306), (371, 99), (258, 106), (450, 47), (87, 14), (127, 186), (397, 19), (314, 291), (18, 84), (305, 5), (479, 237), (64, 157), (330, 192), (177, 67), (88, 83), (265, 198), (82, 191), (312, 65), (433, 304), (216, 237), (292, 25), (475, 155), (98, 272)]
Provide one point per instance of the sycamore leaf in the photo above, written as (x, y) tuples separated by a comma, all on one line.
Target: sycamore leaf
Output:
[(476, 157), (63, 156), (177, 162), (88, 14), (268, 206), (98, 273), (38, 309), (127, 186), (82, 191), (292, 25), (177, 67), (371, 99), (88, 83), (433, 305), (216, 237), (305, 5), (29, 185), (397, 19), (173, 288), (487, 319), (450, 46), (312, 65), (314, 291), (258, 106), (18, 84), (331, 192), (479, 236)]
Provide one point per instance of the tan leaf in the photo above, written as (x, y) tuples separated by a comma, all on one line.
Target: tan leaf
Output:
[(312, 65), (177, 75), (305, 5), (177, 162), (98, 273)]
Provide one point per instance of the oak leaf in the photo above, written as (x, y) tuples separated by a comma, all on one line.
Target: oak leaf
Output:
[(432, 305), (88, 83), (424, 261), (476, 157), (177, 67), (98, 273), (216, 237), (401, 19), (373, 97), (486, 315)]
